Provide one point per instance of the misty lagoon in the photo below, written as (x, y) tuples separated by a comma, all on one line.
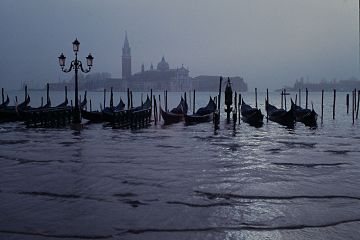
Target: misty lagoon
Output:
[(182, 182)]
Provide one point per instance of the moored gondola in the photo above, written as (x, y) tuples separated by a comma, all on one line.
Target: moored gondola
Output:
[(281, 116), (306, 116), (204, 114), (250, 115), (176, 114), (14, 113), (5, 103), (108, 112)]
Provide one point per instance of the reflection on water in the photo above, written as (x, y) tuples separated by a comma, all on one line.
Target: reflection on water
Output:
[(180, 182)]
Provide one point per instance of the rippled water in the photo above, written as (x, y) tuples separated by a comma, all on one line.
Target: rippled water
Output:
[(179, 182)]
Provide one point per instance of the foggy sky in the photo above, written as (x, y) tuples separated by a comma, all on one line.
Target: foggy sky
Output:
[(268, 42)]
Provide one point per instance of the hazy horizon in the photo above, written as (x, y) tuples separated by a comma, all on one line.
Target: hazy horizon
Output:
[(268, 43)]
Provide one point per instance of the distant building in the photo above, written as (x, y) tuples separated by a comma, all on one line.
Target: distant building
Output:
[(163, 77), (126, 59), (159, 79)]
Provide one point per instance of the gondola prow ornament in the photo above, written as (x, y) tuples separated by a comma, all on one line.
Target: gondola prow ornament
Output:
[(228, 99)]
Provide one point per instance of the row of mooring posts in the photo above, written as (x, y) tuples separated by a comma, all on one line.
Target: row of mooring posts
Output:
[(237, 101)]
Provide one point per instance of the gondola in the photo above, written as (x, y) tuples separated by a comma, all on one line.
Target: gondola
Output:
[(145, 105), (13, 113), (250, 115), (281, 116), (176, 114), (108, 112), (5, 103), (204, 114), (306, 116)]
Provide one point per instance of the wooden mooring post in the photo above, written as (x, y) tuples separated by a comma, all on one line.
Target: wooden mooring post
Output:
[(334, 103), (300, 97), (159, 112), (155, 111), (47, 93), (306, 98), (166, 100), (239, 107), (42, 101), (285, 99), (128, 98), (282, 99), (217, 112), (322, 106), (90, 106), (2, 95), (131, 100), (194, 102), (266, 104), (104, 98), (256, 105), (347, 103), (235, 110), (353, 105), (358, 102)]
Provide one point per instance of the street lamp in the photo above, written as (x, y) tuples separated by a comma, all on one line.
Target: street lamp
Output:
[(76, 64)]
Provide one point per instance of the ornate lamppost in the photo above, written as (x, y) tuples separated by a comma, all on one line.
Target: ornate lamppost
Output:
[(76, 65)]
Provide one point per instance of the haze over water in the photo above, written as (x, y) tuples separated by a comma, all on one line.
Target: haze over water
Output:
[(269, 43), (182, 182)]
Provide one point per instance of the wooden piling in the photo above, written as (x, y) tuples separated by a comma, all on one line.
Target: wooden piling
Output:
[(239, 107), (347, 103), (185, 97), (306, 98), (128, 98), (155, 108), (111, 98), (42, 101), (358, 102), (236, 109), (26, 92), (47, 93), (256, 98), (334, 103), (2, 95), (159, 113), (322, 106), (299, 97), (90, 106), (353, 106), (16, 100), (219, 100), (285, 99), (194, 102), (282, 99), (266, 104), (104, 98), (166, 100), (65, 92), (131, 99), (295, 99)]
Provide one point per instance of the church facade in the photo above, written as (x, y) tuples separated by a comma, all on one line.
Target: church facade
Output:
[(159, 78)]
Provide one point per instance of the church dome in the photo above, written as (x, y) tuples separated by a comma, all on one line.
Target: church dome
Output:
[(163, 65)]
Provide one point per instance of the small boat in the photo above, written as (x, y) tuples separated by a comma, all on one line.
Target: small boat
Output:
[(5, 103), (250, 115), (306, 116), (176, 114), (204, 114), (14, 113), (92, 116), (145, 105), (281, 116), (108, 112)]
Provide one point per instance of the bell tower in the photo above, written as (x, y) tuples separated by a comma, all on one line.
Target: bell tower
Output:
[(126, 59)]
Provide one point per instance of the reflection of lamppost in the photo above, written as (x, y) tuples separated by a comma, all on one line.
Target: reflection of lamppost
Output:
[(76, 64)]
